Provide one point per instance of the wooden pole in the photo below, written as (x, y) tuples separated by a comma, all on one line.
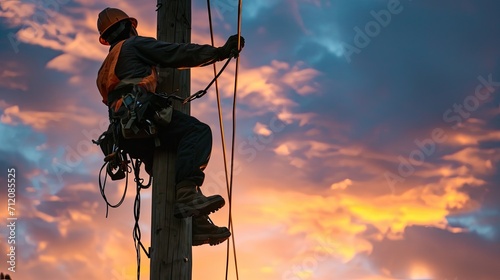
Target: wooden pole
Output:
[(171, 253)]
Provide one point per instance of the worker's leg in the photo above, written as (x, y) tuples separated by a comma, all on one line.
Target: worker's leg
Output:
[(142, 149), (193, 140)]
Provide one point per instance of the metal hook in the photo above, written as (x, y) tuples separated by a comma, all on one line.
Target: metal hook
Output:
[(158, 6)]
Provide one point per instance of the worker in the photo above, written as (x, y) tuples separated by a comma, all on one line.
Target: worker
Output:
[(130, 63)]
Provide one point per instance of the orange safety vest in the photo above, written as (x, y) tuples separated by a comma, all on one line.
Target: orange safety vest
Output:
[(107, 81)]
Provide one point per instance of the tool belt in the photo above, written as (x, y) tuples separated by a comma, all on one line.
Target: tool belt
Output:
[(133, 114), (140, 113)]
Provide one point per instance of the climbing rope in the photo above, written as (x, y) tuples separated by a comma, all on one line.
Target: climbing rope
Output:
[(137, 213), (233, 140), (102, 188), (229, 178), (137, 202)]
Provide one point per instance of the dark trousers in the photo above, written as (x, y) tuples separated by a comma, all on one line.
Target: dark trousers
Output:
[(185, 134)]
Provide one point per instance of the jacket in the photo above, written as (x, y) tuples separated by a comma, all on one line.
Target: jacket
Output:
[(134, 61)]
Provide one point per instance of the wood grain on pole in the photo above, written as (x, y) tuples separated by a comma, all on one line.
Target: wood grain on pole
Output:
[(171, 253)]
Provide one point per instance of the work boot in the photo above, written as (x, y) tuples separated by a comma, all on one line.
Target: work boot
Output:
[(190, 202), (205, 232)]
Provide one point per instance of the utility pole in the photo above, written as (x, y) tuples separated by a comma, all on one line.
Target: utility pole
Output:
[(171, 253)]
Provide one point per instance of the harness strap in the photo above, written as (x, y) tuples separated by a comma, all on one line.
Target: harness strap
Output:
[(116, 94)]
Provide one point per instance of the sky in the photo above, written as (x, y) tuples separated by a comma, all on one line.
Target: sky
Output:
[(367, 141)]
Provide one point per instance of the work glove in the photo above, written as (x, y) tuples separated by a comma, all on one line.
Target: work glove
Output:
[(230, 48)]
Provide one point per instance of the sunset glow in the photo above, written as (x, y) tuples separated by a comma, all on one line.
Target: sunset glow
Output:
[(367, 141)]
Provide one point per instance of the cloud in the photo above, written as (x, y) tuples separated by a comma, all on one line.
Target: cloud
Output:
[(349, 217), (342, 185), (480, 256), (302, 80), (13, 76), (62, 223), (48, 28), (479, 160), (69, 64), (481, 222), (262, 129), (264, 89), (369, 211), (272, 88), (40, 120), (68, 230), (16, 11)]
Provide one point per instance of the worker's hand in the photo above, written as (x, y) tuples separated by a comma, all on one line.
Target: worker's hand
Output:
[(230, 48)]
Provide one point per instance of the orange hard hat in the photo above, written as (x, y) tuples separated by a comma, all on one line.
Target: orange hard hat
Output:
[(109, 17)]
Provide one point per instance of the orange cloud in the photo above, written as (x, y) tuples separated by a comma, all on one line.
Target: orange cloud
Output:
[(266, 88), (262, 129), (64, 63), (16, 11), (335, 224), (472, 132), (481, 161), (61, 34), (67, 236), (12, 77), (342, 185), (471, 157), (40, 120), (302, 118), (300, 79), (299, 151)]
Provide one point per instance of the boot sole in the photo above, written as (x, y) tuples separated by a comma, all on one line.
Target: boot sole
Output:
[(209, 206), (212, 239)]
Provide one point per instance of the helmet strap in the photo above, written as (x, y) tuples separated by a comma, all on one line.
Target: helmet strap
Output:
[(133, 31)]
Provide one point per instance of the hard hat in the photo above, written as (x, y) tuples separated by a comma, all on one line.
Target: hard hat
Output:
[(109, 17)]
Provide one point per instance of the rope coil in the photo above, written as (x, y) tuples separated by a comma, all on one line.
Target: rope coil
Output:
[(136, 233)]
